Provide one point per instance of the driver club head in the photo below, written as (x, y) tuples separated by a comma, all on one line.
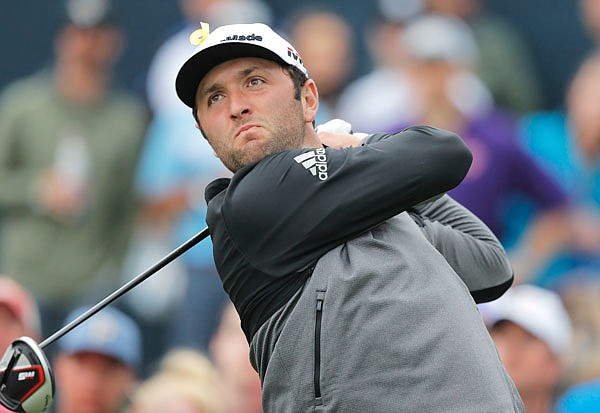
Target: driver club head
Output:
[(26, 381)]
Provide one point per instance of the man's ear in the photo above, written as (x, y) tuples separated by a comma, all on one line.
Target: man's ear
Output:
[(310, 100)]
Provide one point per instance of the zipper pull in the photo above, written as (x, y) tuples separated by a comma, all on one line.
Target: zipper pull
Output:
[(320, 299)]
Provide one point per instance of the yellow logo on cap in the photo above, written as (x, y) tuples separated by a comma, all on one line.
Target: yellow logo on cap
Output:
[(200, 35)]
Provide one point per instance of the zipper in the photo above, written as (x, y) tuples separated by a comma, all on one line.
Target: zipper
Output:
[(317, 369)]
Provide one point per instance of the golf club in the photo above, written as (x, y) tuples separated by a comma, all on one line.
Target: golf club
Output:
[(26, 380)]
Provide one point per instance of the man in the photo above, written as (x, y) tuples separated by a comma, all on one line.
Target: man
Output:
[(348, 302), (95, 367), (68, 147), (326, 42), (532, 331)]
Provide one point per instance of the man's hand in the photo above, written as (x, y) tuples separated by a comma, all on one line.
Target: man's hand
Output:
[(59, 197), (338, 134), (339, 140)]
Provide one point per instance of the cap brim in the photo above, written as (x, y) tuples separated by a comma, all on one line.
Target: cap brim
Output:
[(197, 66), (106, 351)]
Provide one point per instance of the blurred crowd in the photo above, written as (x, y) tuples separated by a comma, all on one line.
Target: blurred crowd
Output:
[(98, 183)]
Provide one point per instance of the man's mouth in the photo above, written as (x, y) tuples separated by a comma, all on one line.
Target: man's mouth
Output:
[(245, 129)]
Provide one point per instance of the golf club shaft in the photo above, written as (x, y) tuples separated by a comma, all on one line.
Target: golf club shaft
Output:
[(127, 287)]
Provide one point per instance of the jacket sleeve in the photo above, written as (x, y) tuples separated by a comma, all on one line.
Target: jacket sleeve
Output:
[(468, 245), (283, 215)]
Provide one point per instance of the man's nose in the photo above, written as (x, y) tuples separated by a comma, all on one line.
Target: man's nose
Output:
[(239, 105)]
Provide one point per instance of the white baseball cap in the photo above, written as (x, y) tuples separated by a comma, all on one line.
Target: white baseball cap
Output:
[(231, 42), (538, 310)]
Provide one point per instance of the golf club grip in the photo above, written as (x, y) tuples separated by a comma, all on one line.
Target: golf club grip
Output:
[(127, 287)]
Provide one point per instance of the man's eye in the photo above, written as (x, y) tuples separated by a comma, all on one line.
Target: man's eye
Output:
[(255, 81), (214, 98)]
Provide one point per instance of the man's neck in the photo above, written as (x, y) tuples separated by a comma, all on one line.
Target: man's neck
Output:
[(311, 140)]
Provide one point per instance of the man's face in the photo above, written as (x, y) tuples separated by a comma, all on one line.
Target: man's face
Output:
[(247, 111), (528, 360), (96, 48), (91, 383)]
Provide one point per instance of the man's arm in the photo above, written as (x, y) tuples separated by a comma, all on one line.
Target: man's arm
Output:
[(468, 245), (283, 216)]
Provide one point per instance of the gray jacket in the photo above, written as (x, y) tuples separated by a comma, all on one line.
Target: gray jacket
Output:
[(385, 324)]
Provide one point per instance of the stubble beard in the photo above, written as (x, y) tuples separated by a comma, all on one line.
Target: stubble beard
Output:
[(288, 133)]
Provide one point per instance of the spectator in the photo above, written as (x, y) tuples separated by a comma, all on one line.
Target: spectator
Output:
[(325, 42), (185, 382), (581, 398), (581, 296), (68, 148), (590, 16), (505, 65), (382, 98), (19, 314), (238, 380), (567, 144), (441, 54), (532, 331), (95, 365)]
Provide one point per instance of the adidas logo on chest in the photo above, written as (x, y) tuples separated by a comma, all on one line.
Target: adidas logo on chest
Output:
[(315, 162)]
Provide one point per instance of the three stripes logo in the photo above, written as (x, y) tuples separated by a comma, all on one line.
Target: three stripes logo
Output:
[(314, 161)]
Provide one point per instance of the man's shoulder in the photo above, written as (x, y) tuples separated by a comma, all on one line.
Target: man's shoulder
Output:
[(124, 100), (124, 113), (216, 187), (284, 171), (27, 90), (282, 178)]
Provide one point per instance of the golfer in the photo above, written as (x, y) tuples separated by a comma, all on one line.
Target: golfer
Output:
[(355, 277)]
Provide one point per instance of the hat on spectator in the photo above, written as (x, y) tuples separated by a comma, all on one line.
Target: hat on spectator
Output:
[(398, 11), (89, 13), (227, 43), (538, 310), (21, 303), (444, 38), (239, 11), (110, 332)]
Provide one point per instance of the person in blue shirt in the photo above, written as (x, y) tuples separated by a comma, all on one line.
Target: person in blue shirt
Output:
[(581, 398), (567, 144)]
